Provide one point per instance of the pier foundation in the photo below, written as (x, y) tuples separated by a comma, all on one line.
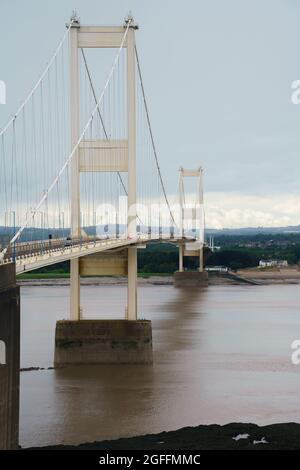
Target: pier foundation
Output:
[(190, 279), (9, 357), (103, 342)]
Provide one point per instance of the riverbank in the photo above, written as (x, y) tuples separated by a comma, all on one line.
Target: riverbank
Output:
[(233, 436), (96, 281), (272, 275), (241, 277)]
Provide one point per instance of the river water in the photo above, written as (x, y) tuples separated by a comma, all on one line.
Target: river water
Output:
[(221, 354)]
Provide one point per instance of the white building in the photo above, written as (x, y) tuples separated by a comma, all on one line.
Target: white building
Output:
[(278, 263)]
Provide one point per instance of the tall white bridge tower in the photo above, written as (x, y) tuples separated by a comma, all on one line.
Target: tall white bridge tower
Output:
[(121, 152)]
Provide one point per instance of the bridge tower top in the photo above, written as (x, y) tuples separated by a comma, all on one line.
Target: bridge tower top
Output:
[(130, 20), (74, 20)]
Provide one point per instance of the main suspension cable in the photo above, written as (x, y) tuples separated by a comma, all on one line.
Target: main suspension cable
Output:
[(39, 80), (151, 136), (70, 157), (102, 121)]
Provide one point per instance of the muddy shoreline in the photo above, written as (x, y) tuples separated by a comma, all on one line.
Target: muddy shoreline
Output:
[(214, 279), (233, 436), (96, 281)]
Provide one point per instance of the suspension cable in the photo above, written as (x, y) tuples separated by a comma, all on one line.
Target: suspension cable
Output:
[(70, 157), (99, 113), (151, 136), (102, 121), (39, 80)]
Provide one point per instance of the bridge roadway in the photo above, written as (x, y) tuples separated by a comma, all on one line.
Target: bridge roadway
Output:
[(34, 255)]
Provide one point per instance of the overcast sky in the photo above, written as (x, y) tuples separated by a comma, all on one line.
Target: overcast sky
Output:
[(218, 78)]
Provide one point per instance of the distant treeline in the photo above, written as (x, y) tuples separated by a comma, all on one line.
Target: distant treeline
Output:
[(224, 240), (163, 258)]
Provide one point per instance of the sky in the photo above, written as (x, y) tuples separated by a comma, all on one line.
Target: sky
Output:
[(218, 79)]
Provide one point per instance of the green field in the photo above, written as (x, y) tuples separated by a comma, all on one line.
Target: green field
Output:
[(50, 275)]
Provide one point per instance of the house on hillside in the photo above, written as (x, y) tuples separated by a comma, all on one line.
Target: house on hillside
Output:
[(273, 263)]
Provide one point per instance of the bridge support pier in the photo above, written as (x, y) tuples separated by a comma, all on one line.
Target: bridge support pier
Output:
[(103, 342), (9, 357), (190, 279), (80, 341)]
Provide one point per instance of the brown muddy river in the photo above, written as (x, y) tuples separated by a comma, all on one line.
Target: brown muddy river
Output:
[(220, 355)]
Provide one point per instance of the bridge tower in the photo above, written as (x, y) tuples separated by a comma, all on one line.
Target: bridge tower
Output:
[(103, 37), (130, 330), (192, 215)]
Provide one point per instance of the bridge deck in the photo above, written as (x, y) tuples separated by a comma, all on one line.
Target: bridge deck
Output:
[(34, 256)]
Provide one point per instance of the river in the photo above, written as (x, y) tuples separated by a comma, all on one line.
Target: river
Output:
[(221, 354)]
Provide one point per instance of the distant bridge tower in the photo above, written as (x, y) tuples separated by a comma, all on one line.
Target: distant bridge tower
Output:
[(191, 221), (103, 37)]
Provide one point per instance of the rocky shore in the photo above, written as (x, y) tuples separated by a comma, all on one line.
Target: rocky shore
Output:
[(236, 436)]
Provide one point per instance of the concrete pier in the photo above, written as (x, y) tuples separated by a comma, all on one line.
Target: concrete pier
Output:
[(190, 279), (9, 357), (103, 342)]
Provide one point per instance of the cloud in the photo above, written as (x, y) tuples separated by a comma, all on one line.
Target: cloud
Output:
[(237, 210)]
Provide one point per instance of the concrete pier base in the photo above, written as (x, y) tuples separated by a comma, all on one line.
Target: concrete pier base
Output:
[(103, 342), (9, 357), (190, 279)]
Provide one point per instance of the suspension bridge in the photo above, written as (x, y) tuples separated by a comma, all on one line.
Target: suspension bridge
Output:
[(80, 176)]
